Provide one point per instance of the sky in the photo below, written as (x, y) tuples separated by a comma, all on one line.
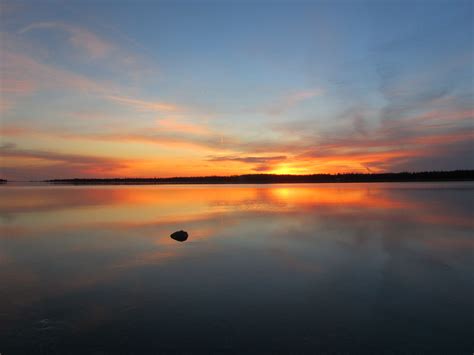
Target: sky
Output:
[(191, 88)]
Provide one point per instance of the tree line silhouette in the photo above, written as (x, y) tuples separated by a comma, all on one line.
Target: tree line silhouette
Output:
[(455, 175)]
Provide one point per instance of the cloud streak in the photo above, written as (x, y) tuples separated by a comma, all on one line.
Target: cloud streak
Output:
[(44, 164), (142, 105), (391, 145), (80, 38), (291, 100), (260, 163), (347, 99)]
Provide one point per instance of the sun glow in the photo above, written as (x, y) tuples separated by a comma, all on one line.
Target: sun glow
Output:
[(286, 169)]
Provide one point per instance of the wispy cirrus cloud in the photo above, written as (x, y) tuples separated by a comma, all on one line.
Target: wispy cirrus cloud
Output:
[(37, 164), (176, 124), (81, 38), (383, 148), (92, 48), (247, 159), (190, 141), (143, 105), (260, 163), (292, 99), (22, 75)]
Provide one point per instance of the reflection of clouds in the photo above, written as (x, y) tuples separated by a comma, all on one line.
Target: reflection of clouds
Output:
[(79, 242), (53, 198), (53, 208), (99, 232)]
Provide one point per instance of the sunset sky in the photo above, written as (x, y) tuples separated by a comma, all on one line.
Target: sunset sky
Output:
[(185, 88)]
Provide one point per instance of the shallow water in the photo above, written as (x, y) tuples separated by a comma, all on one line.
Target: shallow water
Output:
[(337, 268)]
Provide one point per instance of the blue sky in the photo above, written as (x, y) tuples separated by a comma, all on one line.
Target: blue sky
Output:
[(164, 88)]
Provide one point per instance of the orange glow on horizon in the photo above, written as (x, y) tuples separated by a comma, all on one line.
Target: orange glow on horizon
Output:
[(169, 155), (155, 206)]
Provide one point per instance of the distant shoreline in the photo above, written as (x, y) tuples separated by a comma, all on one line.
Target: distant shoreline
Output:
[(430, 176)]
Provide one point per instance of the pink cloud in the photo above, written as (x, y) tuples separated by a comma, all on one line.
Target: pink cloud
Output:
[(17, 86), (22, 74), (175, 125), (143, 105), (289, 101), (80, 38)]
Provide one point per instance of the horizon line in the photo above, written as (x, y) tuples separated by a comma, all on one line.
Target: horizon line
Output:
[(433, 173)]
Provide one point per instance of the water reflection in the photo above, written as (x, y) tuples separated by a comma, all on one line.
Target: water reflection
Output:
[(289, 268)]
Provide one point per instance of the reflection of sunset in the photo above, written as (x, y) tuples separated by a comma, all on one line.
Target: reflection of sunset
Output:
[(323, 196), (141, 205), (118, 238), (148, 214)]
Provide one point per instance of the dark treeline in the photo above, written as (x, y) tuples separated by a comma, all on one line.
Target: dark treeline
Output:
[(456, 175), (3, 181)]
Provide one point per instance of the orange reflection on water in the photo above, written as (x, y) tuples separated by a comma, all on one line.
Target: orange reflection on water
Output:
[(353, 196), (51, 206), (91, 235)]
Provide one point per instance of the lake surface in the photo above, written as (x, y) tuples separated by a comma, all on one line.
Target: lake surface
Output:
[(335, 268)]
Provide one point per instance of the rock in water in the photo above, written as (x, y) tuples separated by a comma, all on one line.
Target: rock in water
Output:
[(180, 236)]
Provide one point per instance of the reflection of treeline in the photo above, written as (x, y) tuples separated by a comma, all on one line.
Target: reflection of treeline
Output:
[(456, 175)]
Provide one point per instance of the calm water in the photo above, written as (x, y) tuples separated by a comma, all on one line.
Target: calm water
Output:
[(336, 268)]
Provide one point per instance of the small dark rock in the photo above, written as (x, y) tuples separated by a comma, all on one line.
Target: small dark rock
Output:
[(180, 236)]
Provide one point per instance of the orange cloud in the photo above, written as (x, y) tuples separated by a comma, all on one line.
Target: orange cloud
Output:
[(344, 155), (172, 124), (175, 134)]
